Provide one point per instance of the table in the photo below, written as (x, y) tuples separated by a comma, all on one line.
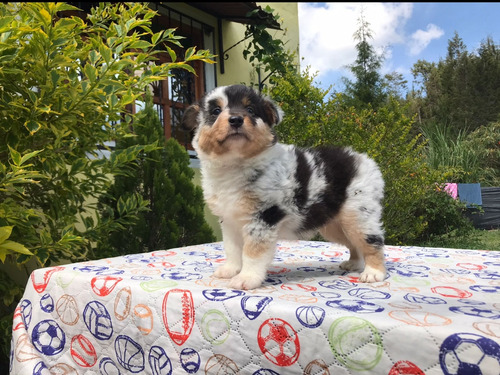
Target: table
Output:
[(437, 312)]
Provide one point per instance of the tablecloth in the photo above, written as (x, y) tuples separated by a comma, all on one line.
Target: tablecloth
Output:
[(437, 312)]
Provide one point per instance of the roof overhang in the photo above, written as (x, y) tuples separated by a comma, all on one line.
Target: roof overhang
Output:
[(239, 12)]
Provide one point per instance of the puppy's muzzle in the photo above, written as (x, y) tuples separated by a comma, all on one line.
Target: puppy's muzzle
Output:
[(236, 121)]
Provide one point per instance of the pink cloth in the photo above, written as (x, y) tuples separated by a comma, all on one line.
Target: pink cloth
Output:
[(451, 189)]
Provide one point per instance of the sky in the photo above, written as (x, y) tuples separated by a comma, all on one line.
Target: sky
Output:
[(403, 32)]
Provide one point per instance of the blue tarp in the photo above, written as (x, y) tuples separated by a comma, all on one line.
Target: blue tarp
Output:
[(470, 194)]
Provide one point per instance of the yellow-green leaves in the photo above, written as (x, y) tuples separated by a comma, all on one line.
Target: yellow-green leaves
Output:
[(9, 247)]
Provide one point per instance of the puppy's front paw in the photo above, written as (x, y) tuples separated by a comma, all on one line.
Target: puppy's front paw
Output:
[(371, 275), (245, 281), (226, 271)]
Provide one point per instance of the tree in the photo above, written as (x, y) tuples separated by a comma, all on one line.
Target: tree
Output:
[(368, 86), (163, 177), (65, 84), (461, 90)]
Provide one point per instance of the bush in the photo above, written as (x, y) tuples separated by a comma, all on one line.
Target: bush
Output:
[(163, 177), (445, 218), (313, 118), (485, 141), (64, 88)]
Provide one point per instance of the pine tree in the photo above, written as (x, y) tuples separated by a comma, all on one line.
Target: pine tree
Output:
[(368, 87), (163, 177)]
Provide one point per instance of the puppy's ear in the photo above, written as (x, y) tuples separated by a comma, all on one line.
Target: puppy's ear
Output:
[(190, 118), (273, 112)]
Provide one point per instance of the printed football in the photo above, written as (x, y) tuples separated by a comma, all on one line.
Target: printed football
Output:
[(468, 353)]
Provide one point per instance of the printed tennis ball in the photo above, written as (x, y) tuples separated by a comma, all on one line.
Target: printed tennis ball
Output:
[(356, 343)]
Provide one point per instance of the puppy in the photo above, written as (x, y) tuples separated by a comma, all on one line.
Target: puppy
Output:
[(263, 190)]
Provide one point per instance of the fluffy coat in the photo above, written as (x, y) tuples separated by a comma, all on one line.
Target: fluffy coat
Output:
[(263, 190)]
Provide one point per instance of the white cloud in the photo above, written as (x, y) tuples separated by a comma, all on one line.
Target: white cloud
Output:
[(420, 39), (326, 32)]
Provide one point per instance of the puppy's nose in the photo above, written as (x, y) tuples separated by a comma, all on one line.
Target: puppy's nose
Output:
[(235, 121)]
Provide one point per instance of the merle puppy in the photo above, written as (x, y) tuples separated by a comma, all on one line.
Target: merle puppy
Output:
[(263, 190)]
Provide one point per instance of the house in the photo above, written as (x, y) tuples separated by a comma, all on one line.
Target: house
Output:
[(220, 28)]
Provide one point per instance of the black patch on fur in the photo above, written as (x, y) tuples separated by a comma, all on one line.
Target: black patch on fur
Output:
[(256, 174), (211, 105), (240, 97), (339, 168), (302, 175), (375, 240), (272, 215)]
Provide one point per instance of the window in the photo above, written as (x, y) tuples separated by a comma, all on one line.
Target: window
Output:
[(173, 95)]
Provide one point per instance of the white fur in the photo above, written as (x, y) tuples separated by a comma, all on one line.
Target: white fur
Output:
[(269, 179)]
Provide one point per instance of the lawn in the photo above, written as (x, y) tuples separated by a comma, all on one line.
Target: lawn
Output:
[(477, 240)]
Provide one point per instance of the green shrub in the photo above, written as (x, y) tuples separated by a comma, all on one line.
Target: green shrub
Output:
[(445, 217), (64, 89), (313, 118), (450, 153), (485, 141), (163, 177)]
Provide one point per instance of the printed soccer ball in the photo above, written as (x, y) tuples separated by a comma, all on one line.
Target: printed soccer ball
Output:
[(468, 353), (48, 338)]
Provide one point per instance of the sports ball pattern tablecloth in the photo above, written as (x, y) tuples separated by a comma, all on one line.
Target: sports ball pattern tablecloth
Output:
[(159, 313)]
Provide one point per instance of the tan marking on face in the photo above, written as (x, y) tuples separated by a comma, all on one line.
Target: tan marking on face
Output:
[(210, 137), (219, 139), (260, 137)]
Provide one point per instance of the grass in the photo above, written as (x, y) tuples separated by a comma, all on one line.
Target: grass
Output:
[(477, 240), (491, 239)]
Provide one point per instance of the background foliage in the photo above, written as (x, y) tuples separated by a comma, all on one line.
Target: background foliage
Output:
[(163, 177), (314, 118), (65, 84)]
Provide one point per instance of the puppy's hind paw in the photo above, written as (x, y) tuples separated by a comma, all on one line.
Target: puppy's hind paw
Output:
[(371, 275), (350, 265), (245, 282), (226, 271)]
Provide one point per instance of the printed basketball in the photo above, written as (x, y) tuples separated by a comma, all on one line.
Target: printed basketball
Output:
[(220, 364), (129, 354)]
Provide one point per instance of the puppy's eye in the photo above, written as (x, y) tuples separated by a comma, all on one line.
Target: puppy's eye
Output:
[(250, 110), (216, 111)]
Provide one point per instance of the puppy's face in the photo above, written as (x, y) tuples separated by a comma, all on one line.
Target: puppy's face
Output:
[(232, 121)]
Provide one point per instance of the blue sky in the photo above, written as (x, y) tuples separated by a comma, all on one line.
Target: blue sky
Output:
[(405, 32)]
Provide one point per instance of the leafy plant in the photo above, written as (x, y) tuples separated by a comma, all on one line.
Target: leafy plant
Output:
[(65, 85), (163, 177), (265, 52), (313, 118)]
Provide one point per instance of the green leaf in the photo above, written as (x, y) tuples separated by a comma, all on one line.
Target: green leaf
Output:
[(15, 156), (90, 72), (156, 37), (15, 247), (5, 233), (140, 44), (171, 52), (32, 126), (28, 156)]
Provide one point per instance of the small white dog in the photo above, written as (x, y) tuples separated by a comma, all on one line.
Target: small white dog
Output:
[(263, 190)]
